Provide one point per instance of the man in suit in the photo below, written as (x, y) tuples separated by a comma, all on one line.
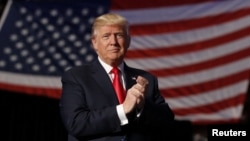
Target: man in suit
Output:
[(89, 106)]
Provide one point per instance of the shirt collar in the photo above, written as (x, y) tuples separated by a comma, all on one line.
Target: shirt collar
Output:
[(108, 68)]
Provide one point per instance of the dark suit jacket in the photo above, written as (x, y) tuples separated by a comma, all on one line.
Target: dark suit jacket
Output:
[(88, 107)]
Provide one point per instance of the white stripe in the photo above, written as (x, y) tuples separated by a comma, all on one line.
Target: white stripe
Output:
[(189, 58), (204, 75), (225, 114), (189, 36), (208, 97), (30, 80), (186, 12)]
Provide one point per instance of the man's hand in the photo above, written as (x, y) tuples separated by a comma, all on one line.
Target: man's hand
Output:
[(135, 95)]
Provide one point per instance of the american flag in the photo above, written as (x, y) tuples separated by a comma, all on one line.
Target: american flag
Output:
[(198, 49)]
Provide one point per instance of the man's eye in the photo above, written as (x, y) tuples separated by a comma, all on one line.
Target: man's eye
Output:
[(105, 37), (120, 36)]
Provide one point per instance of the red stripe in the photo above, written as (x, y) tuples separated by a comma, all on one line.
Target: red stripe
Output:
[(186, 48), (139, 4), (213, 107), (196, 89), (220, 122), (38, 91), (203, 65), (159, 28)]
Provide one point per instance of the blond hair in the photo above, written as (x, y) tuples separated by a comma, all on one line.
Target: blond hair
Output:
[(110, 19)]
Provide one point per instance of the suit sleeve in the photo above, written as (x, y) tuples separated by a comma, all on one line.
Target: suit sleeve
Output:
[(78, 118), (156, 114)]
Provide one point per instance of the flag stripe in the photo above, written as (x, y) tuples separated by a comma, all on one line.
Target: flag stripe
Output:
[(30, 80), (186, 48), (31, 90), (190, 24), (235, 56), (229, 115), (233, 120), (190, 58), (141, 16), (130, 5), (209, 97), (192, 37), (213, 107), (196, 89), (204, 76)]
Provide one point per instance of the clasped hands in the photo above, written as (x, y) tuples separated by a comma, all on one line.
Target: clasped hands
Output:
[(135, 97)]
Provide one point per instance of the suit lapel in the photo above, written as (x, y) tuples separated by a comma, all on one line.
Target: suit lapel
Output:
[(130, 77), (103, 80)]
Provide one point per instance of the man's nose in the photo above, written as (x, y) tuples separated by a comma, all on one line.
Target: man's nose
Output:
[(113, 39)]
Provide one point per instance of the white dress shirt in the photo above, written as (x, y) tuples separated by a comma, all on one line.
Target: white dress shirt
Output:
[(119, 108)]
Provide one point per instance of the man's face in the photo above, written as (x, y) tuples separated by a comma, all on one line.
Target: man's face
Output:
[(111, 43)]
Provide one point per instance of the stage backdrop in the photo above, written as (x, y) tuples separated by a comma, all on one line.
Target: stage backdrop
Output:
[(199, 49)]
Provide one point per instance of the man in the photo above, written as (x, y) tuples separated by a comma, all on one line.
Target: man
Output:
[(89, 106)]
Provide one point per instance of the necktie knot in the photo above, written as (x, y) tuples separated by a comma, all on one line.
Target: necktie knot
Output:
[(115, 70)]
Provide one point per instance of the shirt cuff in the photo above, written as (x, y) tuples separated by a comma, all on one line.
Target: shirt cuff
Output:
[(138, 112), (121, 114)]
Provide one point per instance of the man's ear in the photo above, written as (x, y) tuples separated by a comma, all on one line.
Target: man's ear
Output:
[(93, 40), (128, 41)]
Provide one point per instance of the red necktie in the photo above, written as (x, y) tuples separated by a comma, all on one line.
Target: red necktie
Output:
[(118, 85)]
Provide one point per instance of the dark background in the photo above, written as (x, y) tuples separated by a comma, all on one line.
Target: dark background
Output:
[(30, 118), (33, 118)]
